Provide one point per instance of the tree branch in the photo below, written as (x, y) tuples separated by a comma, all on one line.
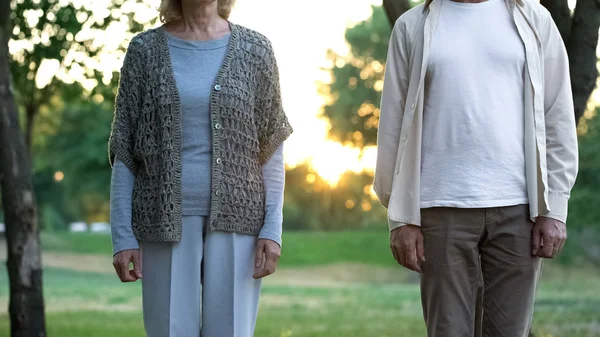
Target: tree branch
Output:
[(395, 8)]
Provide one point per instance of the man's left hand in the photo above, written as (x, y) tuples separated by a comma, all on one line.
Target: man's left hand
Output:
[(266, 258), (549, 236)]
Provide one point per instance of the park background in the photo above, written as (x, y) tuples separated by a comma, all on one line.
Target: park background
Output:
[(336, 276)]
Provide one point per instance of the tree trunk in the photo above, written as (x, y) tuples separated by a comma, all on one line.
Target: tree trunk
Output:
[(30, 112), (23, 243), (561, 14), (583, 58)]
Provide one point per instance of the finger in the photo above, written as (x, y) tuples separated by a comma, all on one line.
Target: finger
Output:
[(563, 241), (561, 245), (555, 249), (410, 255), (536, 237), (401, 256), (270, 264), (395, 253), (547, 248), (124, 271), (420, 249), (117, 269), (137, 265), (260, 272), (259, 256)]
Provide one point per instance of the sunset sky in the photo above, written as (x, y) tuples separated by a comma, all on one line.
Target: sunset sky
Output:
[(301, 33)]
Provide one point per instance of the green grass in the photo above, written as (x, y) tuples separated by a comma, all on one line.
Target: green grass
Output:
[(84, 304), (299, 248), (84, 243), (565, 307)]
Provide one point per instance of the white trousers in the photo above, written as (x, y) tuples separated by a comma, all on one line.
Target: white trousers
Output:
[(202, 286)]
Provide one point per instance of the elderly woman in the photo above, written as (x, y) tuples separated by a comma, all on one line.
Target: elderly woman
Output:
[(197, 184)]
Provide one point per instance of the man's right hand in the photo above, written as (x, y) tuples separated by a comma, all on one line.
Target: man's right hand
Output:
[(407, 246), (121, 262)]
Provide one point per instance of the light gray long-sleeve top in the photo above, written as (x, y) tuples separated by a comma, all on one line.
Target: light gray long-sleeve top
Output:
[(195, 65)]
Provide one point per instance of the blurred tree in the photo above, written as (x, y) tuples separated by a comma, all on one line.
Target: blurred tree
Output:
[(55, 43), (584, 213), (22, 234), (357, 81), (312, 203), (75, 158)]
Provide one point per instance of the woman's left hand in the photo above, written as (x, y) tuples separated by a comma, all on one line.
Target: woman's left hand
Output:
[(266, 258)]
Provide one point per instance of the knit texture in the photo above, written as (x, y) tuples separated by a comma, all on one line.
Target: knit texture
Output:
[(248, 125)]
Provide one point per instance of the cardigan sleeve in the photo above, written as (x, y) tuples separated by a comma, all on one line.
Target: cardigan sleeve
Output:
[(273, 125), (127, 106)]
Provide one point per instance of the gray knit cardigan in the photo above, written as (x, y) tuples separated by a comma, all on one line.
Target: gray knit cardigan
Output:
[(248, 125)]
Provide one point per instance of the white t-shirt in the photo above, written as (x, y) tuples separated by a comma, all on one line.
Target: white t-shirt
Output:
[(473, 127)]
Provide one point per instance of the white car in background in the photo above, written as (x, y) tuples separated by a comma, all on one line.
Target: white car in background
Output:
[(100, 227), (78, 227)]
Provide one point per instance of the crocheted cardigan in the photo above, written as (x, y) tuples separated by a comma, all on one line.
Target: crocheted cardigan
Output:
[(248, 125)]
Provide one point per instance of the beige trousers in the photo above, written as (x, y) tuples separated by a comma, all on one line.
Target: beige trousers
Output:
[(460, 246)]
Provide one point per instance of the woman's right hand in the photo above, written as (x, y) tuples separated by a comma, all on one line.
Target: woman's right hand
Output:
[(121, 262)]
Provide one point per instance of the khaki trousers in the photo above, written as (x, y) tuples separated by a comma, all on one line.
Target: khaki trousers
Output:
[(461, 245)]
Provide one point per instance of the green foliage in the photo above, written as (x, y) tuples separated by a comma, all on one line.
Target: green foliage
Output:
[(583, 206), (357, 80), (76, 243), (311, 203), (63, 32), (78, 151)]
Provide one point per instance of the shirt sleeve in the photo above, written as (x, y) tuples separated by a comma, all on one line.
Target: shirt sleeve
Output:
[(274, 181), (393, 99), (273, 125), (561, 130), (121, 191)]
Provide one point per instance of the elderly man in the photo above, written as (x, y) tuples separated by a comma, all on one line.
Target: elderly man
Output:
[(477, 155)]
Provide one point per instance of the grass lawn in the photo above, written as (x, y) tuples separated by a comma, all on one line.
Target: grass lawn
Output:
[(312, 297), (299, 248)]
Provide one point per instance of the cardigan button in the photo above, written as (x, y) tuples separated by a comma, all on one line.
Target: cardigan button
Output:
[(219, 161), (217, 87), (217, 193), (218, 126)]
